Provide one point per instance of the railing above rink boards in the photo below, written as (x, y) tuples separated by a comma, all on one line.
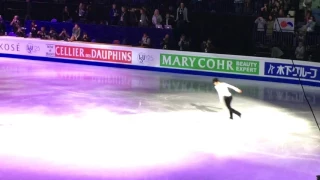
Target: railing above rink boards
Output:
[(288, 42)]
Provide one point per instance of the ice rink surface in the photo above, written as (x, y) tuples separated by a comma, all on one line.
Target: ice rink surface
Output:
[(76, 122)]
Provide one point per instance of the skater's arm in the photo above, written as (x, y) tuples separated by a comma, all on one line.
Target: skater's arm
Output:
[(234, 88), (220, 98)]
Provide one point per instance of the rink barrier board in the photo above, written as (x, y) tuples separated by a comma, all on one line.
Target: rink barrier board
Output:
[(159, 69), (182, 62)]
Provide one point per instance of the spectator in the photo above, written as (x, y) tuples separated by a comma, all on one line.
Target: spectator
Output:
[(20, 32), (286, 5), (81, 12), (182, 16), (207, 46), (156, 18), (168, 20), (15, 23), (281, 13), (307, 16), (166, 43), (76, 31), (53, 34), (133, 19), (33, 31), (309, 27), (145, 41), (64, 35), (42, 34), (274, 12), (114, 15), (171, 12), (307, 4), (66, 15), (85, 37), (311, 24), (265, 11), (247, 6), (238, 6), (183, 43), (2, 26), (124, 18), (261, 23), (89, 15), (300, 50), (270, 27), (143, 22)]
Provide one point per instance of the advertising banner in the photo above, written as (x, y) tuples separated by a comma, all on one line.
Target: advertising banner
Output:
[(97, 54), (10, 47), (210, 64), (289, 70)]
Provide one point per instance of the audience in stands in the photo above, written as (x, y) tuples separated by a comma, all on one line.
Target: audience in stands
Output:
[(33, 30), (270, 27), (85, 37), (42, 34), (20, 32), (53, 35), (76, 32), (144, 20), (114, 15), (15, 23), (2, 27), (66, 17), (183, 43), (124, 17), (145, 41), (81, 12), (207, 46), (311, 24), (156, 18), (166, 42), (300, 50), (64, 35), (168, 20), (261, 23), (182, 16)]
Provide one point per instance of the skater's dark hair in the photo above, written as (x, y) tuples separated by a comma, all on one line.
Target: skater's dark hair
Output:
[(215, 80)]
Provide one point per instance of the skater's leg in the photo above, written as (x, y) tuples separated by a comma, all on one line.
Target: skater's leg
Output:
[(227, 100), (233, 110)]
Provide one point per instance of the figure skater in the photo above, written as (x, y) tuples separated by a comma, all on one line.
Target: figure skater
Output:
[(224, 94)]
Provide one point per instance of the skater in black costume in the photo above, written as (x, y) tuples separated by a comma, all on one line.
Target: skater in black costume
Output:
[(225, 95)]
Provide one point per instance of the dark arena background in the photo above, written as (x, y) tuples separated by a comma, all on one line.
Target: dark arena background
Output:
[(122, 89)]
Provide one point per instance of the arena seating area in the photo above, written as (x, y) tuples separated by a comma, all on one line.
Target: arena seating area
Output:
[(217, 26)]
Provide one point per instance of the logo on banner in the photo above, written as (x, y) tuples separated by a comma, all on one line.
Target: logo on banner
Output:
[(288, 70), (210, 63), (9, 47), (50, 50), (105, 55), (145, 58), (32, 48)]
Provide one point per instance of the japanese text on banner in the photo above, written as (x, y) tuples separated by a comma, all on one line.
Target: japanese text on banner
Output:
[(288, 70)]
